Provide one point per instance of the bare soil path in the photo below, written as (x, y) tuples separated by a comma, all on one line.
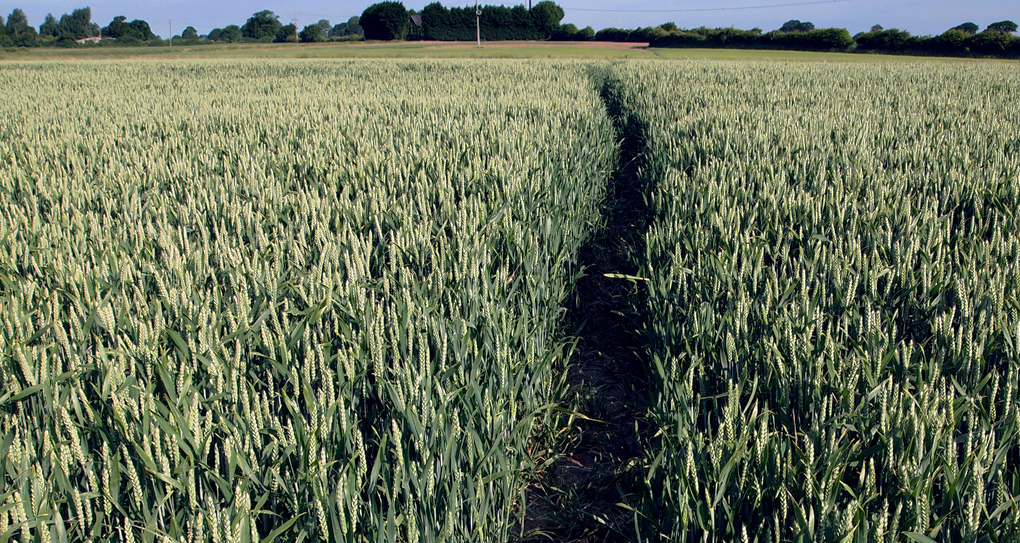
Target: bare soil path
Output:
[(586, 494)]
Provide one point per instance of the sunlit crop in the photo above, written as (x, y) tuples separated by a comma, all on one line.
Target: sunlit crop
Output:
[(317, 300), (242, 301), (834, 300)]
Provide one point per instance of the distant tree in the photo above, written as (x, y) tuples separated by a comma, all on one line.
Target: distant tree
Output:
[(440, 23), (142, 30), (565, 32), (669, 27), (230, 33), (27, 38), (547, 16), (324, 27), (286, 33), (641, 34), (969, 28), (227, 34), (818, 39), (877, 28), (3, 33), (17, 23), (190, 33), (613, 34), (585, 34), (993, 42), (49, 26), (498, 22), (338, 30), (312, 33), (354, 26), (794, 25), (77, 25), (120, 29), (19, 33), (892, 40), (385, 21), (261, 25), (950, 42), (1002, 27)]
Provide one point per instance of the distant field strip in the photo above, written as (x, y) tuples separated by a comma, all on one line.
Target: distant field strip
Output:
[(834, 298), (309, 299)]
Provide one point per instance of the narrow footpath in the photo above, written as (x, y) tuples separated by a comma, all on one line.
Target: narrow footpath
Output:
[(578, 499)]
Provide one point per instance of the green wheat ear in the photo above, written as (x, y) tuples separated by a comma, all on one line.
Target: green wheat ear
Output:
[(834, 267), (264, 301)]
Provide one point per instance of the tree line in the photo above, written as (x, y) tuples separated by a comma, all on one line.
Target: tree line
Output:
[(382, 21), (390, 20), (16, 31), (265, 27), (71, 29), (996, 40)]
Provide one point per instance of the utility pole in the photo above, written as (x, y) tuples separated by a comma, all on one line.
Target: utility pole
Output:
[(295, 21), (478, 23), (171, 32)]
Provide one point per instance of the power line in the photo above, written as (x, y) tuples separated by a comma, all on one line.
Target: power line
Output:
[(696, 10)]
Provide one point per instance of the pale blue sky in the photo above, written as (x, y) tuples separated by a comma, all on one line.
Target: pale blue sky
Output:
[(917, 16)]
